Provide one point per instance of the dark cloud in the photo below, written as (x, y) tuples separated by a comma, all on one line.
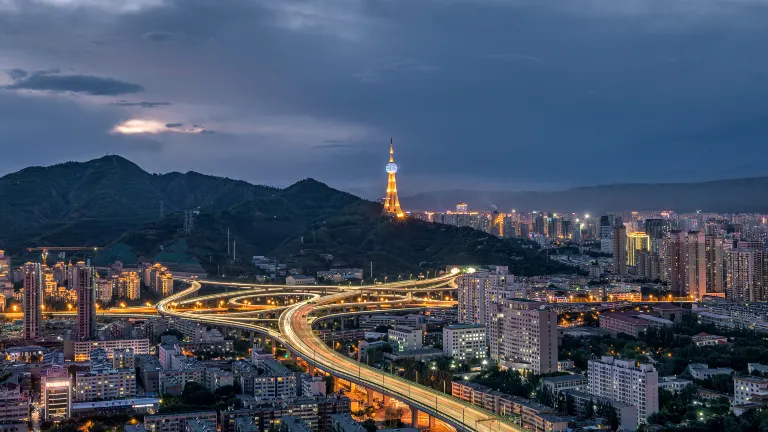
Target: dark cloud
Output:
[(15, 74), (123, 103), (484, 93), (51, 81), (157, 36), (174, 125)]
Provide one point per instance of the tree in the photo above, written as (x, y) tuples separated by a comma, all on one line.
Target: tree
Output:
[(590, 411), (570, 405), (369, 425)]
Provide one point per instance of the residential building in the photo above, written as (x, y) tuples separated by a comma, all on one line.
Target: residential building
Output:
[(123, 358), (81, 350), (345, 423), (404, 338), (293, 424), (627, 413), (524, 336), (105, 289), (464, 341), (673, 383), (293, 280), (532, 415), (565, 382), (747, 390), (619, 244), (14, 408), (648, 265), (33, 301), (479, 292), (104, 382), (746, 273), (129, 285), (701, 371), (636, 242), (624, 381), (215, 378), (200, 425), (706, 339), (82, 281), (619, 322), (175, 422)]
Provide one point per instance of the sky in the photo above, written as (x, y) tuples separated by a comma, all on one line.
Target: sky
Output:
[(477, 94)]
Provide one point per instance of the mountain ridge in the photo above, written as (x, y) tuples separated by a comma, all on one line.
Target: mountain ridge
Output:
[(112, 202), (745, 195)]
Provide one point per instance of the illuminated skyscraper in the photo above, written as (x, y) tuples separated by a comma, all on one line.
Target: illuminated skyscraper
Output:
[(392, 202), (636, 241), (82, 281), (33, 301)]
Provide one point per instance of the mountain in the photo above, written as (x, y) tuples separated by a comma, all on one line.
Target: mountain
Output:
[(111, 202), (724, 196), (304, 223), (103, 198)]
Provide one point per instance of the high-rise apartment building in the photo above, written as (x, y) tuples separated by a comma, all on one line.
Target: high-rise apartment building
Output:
[(714, 258), (129, 285), (674, 261), (479, 290), (746, 273), (33, 301), (627, 382), (648, 265), (619, 245), (524, 337), (636, 242), (82, 281)]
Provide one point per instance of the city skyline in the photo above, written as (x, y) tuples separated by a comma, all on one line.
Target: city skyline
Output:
[(167, 84)]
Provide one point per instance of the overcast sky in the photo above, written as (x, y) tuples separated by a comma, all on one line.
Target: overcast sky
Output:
[(491, 94)]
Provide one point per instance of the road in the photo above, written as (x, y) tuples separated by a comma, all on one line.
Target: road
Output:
[(295, 332)]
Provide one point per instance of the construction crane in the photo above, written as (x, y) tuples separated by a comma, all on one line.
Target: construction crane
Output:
[(44, 250)]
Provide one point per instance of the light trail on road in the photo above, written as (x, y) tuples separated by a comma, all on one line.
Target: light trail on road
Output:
[(295, 333)]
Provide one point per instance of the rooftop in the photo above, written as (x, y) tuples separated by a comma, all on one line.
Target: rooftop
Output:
[(564, 378), (466, 326)]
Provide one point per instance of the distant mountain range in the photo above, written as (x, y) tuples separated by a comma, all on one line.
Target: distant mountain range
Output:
[(112, 202), (733, 195)]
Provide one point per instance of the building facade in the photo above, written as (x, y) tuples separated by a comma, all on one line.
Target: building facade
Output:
[(33, 301), (524, 336), (464, 341), (626, 382)]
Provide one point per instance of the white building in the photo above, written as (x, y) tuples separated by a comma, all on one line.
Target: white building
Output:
[(565, 382), (464, 341), (747, 389), (524, 337), (300, 280), (103, 381), (702, 371), (81, 350), (215, 378), (479, 291), (624, 381), (406, 338)]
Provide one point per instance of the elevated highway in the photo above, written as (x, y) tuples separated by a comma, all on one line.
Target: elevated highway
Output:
[(296, 334)]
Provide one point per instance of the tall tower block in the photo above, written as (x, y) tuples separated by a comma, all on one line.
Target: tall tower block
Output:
[(392, 202)]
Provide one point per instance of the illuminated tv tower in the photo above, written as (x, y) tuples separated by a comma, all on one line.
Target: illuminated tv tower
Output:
[(392, 202)]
